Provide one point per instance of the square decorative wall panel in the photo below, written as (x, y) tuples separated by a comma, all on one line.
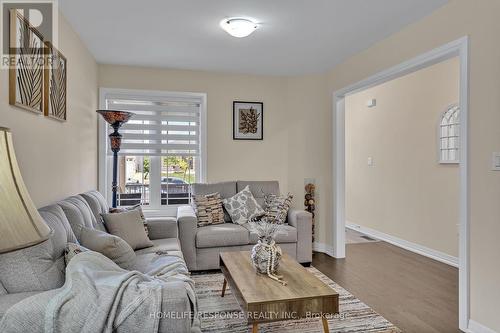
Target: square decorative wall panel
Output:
[(248, 120)]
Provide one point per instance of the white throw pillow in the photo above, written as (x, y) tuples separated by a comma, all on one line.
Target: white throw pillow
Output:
[(242, 206)]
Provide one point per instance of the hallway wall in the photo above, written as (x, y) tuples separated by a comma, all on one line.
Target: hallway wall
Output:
[(406, 193)]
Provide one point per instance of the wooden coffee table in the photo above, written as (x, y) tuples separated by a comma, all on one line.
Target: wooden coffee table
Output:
[(263, 299)]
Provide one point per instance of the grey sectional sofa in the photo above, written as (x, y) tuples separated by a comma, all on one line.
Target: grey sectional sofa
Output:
[(41, 267), (201, 246)]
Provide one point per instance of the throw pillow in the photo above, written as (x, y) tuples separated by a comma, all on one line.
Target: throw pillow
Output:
[(277, 206), (242, 206), (208, 209), (72, 250), (109, 245), (137, 207), (128, 226)]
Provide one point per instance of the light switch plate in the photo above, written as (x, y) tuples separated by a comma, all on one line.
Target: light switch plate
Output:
[(370, 161), (371, 103), (495, 162)]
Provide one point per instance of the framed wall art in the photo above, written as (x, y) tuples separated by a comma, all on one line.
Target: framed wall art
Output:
[(55, 84), (248, 120), (26, 74)]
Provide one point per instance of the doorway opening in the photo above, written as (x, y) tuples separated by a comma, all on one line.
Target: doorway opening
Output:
[(459, 49)]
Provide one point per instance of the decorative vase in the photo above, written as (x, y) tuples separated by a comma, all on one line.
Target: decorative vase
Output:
[(266, 256)]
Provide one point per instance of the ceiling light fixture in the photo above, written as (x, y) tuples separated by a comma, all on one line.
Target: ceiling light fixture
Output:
[(238, 26)]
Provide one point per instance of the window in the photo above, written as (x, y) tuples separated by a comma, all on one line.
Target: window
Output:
[(449, 135), (162, 150)]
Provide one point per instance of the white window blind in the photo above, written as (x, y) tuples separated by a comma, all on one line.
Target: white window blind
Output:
[(159, 127)]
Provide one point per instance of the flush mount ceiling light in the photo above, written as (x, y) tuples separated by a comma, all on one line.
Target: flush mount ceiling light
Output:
[(238, 26)]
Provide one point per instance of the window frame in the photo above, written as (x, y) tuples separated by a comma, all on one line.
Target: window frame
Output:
[(439, 135), (104, 176)]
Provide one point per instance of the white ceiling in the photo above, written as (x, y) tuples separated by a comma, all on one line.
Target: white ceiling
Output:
[(296, 36)]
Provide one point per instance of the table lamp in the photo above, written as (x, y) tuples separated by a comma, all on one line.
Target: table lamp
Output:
[(21, 225)]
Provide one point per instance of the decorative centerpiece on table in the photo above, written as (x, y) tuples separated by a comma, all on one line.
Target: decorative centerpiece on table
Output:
[(266, 254), (266, 221)]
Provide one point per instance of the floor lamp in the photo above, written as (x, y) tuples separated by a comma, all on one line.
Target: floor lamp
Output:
[(116, 119)]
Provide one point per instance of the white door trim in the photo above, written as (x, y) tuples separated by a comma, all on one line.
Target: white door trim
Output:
[(455, 48)]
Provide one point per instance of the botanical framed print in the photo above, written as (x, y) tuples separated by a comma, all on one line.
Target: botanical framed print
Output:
[(55, 84), (248, 120), (26, 74)]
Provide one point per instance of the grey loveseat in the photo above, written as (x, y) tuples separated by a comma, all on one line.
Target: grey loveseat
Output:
[(30, 271), (201, 245)]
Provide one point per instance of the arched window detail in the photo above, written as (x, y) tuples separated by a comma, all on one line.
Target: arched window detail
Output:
[(449, 135)]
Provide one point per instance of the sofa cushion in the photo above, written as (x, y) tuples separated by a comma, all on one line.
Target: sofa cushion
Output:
[(138, 208), (227, 234), (98, 205), (162, 227), (225, 189), (260, 188), (288, 234), (111, 246), (2, 289), (55, 217), (128, 226), (78, 212), (146, 263), (163, 245), (39, 267), (7, 301)]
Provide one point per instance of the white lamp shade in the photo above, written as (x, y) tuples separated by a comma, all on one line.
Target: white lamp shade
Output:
[(238, 27), (20, 223)]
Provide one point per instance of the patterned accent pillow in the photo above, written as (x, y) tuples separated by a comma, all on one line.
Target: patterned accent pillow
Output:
[(137, 207), (277, 207), (208, 209), (72, 250), (242, 207)]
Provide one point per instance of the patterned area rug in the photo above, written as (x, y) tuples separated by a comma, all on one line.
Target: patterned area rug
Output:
[(223, 315)]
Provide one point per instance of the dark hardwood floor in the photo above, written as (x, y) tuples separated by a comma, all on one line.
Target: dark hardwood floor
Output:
[(415, 293)]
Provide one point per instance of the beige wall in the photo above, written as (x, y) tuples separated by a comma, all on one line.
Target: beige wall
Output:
[(58, 159), (479, 21), (299, 131), (406, 193), (294, 114)]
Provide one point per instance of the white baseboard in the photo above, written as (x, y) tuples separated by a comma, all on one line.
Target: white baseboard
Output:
[(413, 247), (475, 327), (324, 248)]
